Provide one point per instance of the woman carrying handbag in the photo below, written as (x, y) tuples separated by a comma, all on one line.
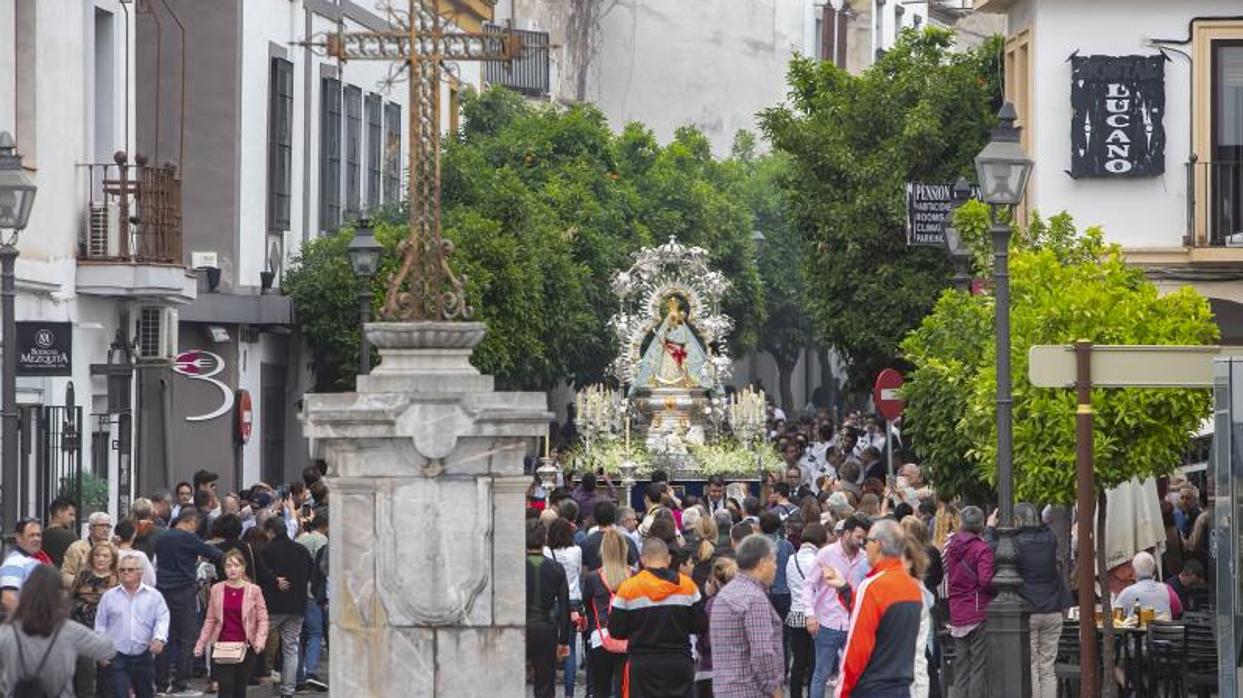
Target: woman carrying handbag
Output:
[(236, 627), (606, 655)]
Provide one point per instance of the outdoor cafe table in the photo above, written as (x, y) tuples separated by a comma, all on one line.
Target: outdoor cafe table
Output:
[(1131, 642)]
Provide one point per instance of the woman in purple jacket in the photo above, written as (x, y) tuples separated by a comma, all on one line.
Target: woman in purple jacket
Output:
[(969, 568)]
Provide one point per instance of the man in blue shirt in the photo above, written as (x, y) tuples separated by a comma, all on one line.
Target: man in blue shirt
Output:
[(135, 618), (1187, 511), (176, 555), (17, 564)]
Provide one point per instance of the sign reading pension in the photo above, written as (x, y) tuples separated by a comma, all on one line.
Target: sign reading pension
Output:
[(44, 348), (927, 206), (1117, 106)]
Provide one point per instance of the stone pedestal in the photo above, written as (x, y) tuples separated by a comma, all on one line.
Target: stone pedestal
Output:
[(426, 519)]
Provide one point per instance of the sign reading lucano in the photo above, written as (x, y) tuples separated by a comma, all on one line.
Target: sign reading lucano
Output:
[(1117, 107), (927, 206)]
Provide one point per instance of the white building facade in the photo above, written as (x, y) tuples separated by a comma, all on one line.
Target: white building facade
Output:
[(66, 95), (279, 144), (184, 152), (1170, 69)]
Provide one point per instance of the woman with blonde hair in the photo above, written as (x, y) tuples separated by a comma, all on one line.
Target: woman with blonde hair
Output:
[(97, 576), (916, 558), (605, 656), (236, 627)]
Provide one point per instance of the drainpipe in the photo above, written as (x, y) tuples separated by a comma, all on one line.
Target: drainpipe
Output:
[(165, 440)]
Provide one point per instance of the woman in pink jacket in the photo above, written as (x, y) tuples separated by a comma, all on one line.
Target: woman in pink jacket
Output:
[(236, 613)]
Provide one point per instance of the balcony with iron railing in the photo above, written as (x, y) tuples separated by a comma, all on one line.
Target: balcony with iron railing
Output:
[(1215, 203), (527, 74), (131, 238)]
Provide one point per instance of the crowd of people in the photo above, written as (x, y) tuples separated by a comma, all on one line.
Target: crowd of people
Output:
[(192, 582), (838, 579)]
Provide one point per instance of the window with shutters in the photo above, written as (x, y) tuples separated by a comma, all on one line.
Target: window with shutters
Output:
[(353, 149), (280, 144), (375, 148), (330, 155), (392, 153)]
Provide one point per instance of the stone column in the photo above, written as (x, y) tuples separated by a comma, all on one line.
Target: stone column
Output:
[(426, 525)]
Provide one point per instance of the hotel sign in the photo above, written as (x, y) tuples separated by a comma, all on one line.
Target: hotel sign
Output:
[(1117, 106)]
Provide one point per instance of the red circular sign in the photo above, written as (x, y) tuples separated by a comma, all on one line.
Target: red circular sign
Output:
[(245, 416), (885, 394)]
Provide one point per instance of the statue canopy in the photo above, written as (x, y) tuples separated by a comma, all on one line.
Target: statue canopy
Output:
[(669, 328)]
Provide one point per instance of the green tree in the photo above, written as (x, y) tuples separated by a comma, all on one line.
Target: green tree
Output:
[(786, 331), (1065, 286), (920, 113), (543, 205)]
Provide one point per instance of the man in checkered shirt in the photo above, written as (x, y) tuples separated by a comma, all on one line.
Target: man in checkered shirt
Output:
[(747, 657)]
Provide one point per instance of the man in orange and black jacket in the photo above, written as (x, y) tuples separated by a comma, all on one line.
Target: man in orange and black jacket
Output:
[(658, 610), (879, 660)]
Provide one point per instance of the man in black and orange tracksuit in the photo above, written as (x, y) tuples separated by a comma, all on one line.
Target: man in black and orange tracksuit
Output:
[(879, 660), (658, 610)]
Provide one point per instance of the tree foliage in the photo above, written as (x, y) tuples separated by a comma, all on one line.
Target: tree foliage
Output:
[(920, 113), (543, 205), (1065, 286), (760, 184)]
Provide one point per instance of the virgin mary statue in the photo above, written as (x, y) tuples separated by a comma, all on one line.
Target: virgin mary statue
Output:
[(674, 357)]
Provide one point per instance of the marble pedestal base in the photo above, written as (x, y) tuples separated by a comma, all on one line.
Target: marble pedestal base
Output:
[(427, 586)]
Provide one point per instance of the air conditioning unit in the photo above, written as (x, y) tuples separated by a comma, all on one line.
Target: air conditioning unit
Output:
[(157, 332), (103, 237)]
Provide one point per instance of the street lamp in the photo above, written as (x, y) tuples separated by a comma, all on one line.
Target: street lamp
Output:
[(959, 253), (17, 195), (364, 253), (1003, 169)]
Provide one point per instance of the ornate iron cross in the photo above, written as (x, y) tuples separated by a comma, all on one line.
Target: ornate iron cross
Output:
[(424, 286)]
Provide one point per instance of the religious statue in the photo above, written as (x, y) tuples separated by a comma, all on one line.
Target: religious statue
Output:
[(674, 357)]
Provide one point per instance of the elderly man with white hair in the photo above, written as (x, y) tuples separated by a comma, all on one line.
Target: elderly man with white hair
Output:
[(77, 556), (1147, 592)]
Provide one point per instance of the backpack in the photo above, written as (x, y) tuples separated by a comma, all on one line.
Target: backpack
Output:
[(319, 575), (31, 686)]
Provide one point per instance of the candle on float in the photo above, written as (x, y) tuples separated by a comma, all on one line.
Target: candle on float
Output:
[(548, 441)]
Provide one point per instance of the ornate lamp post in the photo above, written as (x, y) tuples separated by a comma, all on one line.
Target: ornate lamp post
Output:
[(17, 195), (1003, 169), (959, 254), (364, 253)]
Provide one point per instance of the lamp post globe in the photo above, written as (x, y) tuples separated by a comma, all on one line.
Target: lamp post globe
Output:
[(17, 196), (364, 251), (959, 253), (17, 190), (1002, 167)]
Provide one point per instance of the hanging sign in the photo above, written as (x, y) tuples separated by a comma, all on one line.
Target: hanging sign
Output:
[(44, 348), (927, 208), (1117, 106), (201, 365)]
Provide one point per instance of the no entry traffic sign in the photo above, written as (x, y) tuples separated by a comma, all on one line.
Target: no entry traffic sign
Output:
[(885, 394)]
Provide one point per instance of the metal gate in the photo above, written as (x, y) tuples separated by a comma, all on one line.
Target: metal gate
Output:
[(59, 462)]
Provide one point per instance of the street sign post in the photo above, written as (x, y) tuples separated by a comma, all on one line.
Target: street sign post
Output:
[(1128, 366), (885, 393), (1084, 366)]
